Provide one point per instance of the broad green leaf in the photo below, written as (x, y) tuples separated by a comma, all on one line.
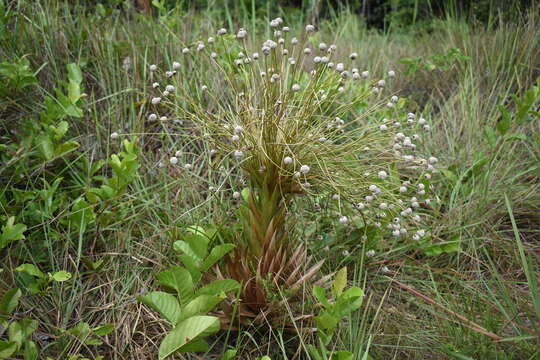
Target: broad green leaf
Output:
[(179, 279), (219, 286), (245, 194), (15, 334), (74, 73), (9, 301), (229, 354), (198, 244), (11, 232), (187, 331), (7, 349), (340, 282), (103, 329), (201, 305), (46, 146), (164, 303), (28, 326), (342, 355), (82, 215), (61, 275), (441, 248), (320, 295), (81, 331), (183, 247), (31, 269), (30, 351), (216, 254), (325, 320)]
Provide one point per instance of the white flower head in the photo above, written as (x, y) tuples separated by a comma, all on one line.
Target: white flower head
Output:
[(155, 85), (304, 169), (152, 117), (185, 50), (343, 219), (169, 88), (310, 28), (238, 154), (114, 135), (287, 160), (382, 174), (173, 160), (211, 40), (176, 65), (153, 67), (353, 56), (156, 100), (391, 73), (236, 195), (242, 33), (222, 31)]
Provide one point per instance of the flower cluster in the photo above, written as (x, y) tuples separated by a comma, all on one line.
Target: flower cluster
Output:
[(299, 120)]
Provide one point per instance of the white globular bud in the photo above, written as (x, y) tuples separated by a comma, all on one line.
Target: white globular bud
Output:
[(188, 166), (365, 74), (370, 253), (236, 195), (343, 219), (155, 85), (310, 28), (433, 160), (391, 73), (287, 160), (382, 174), (114, 135), (304, 169), (153, 67), (242, 33), (222, 31), (238, 154), (176, 65), (152, 117), (296, 87), (169, 88), (353, 56), (173, 160), (156, 100)]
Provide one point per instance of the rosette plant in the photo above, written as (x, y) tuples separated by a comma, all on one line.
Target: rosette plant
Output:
[(296, 120)]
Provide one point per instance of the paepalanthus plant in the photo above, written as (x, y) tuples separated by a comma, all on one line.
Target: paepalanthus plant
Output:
[(297, 121)]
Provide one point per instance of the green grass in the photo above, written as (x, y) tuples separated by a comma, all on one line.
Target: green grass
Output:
[(480, 302)]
